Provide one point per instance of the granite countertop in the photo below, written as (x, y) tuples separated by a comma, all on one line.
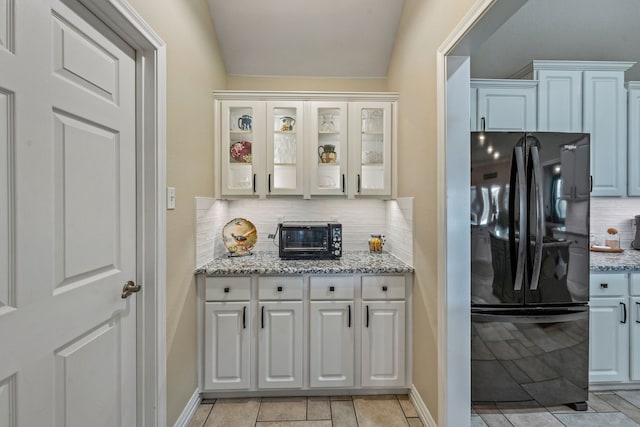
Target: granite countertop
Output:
[(270, 263), (627, 261)]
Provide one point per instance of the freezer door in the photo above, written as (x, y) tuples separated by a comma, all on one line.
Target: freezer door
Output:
[(530, 356), (498, 196), (558, 218)]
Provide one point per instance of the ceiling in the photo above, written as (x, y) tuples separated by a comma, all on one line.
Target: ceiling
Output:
[(562, 29), (330, 38)]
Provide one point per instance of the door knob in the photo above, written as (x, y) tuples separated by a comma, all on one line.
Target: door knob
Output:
[(130, 288)]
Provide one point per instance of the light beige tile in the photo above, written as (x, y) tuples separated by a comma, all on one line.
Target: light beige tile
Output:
[(407, 406), (415, 422), (283, 409), (343, 414), (374, 411), (539, 418), (325, 423), (318, 409), (233, 412), (201, 415)]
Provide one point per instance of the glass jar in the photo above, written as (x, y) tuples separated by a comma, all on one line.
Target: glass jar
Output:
[(375, 243)]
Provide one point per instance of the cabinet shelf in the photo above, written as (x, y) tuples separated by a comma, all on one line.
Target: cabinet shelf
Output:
[(240, 132), (328, 132), (284, 132)]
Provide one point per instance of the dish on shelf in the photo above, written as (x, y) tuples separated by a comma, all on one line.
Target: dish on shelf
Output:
[(239, 236), (240, 152)]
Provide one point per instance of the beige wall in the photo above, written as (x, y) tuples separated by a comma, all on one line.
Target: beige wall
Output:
[(412, 73), (194, 69), (299, 83)]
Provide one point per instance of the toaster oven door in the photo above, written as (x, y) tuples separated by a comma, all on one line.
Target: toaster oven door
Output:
[(304, 242)]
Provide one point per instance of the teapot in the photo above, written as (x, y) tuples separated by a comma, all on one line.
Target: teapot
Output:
[(244, 122), (286, 123), (327, 153)]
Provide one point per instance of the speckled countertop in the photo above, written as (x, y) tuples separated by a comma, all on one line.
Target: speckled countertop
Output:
[(270, 263), (627, 261)]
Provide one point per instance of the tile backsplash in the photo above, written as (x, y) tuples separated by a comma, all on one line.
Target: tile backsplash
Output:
[(359, 219), (616, 213)]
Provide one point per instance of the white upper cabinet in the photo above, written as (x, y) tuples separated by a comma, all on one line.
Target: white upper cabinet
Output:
[(503, 105), (589, 97), (633, 137), (328, 153), (285, 136), (370, 149), (305, 144)]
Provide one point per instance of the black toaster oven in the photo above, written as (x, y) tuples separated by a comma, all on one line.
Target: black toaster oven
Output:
[(310, 240)]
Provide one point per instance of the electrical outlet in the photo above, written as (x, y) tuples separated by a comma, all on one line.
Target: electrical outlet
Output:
[(171, 198)]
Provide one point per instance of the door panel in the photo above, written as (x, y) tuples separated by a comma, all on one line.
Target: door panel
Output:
[(67, 218), (609, 344)]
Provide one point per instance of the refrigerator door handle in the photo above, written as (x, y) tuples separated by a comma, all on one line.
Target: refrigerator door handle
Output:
[(518, 161), (537, 259), (506, 317)]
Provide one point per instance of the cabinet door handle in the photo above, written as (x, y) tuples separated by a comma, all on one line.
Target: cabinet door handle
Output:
[(358, 184), (269, 183), (349, 316), (367, 321), (343, 183), (624, 311), (244, 317), (262, 317), (638, 307), (482, 124), (254, 182)]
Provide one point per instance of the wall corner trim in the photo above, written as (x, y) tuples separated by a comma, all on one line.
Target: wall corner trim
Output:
[(421, 407), (189, 410)]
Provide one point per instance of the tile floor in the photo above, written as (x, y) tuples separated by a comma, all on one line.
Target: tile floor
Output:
[(340, 411), (606, 409)]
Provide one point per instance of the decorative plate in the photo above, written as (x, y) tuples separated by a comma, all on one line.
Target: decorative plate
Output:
[(239, 236), (241, 152)]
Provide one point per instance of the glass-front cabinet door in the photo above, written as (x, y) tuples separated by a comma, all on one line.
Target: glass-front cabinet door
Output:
[(285, 147), (328, 156), (370, 148), (242, 147)]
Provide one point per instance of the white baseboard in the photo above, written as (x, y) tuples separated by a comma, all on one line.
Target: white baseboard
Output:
[(421, 407), (189, 410)]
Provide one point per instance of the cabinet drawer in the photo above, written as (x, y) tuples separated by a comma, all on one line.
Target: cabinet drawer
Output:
[(280, 288), (228, 288), (609, 284), (332, 288), (383, 287), (634, 284)]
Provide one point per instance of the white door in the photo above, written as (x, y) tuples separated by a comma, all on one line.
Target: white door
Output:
[(285, 143), (67, 218), (227, 345), (280, 345), (383, 343), (332, 343), (608, 340), (506, 108)]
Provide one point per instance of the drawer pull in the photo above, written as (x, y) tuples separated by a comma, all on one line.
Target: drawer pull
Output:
[(262, 317), (624, 308), (332, 288), (604, 285), (384, 288), (279, 288), (226, 290)]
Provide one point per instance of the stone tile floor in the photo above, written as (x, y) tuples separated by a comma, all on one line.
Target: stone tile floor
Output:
[(606, 409), (338, 411)]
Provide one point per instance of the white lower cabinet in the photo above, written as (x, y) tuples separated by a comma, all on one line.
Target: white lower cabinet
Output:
[(280, 345), (614, 328), (332, 344), (383, 331), (304, 332)]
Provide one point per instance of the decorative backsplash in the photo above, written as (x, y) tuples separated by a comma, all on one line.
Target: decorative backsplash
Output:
[(359, 218), (616, 213)]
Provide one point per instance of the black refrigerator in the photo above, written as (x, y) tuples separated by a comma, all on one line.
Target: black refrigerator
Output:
[(530, 268)]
